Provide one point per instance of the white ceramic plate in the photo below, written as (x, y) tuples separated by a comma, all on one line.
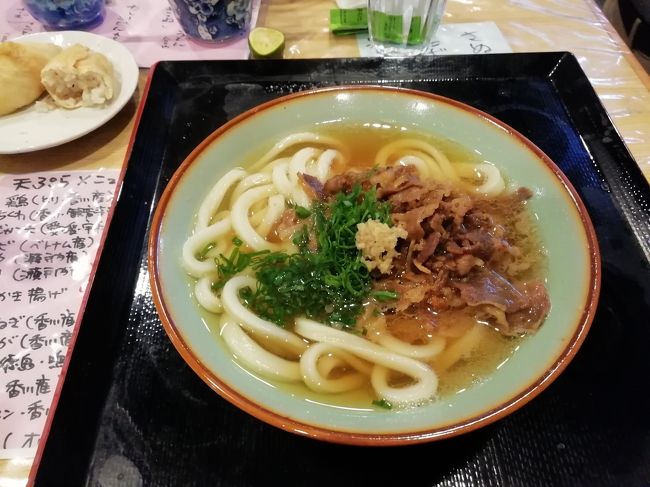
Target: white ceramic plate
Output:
[(29, 129)]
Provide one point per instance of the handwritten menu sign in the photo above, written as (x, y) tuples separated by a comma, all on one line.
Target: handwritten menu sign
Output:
[(464, 38), (50, 227), (147, 28)]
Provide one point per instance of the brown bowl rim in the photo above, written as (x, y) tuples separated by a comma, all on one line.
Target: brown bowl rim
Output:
[(384, 439)]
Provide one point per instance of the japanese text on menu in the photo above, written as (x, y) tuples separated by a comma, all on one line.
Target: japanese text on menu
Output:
[(50, 227)]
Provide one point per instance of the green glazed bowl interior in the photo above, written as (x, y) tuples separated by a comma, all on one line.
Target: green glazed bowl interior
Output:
[(572, 278)]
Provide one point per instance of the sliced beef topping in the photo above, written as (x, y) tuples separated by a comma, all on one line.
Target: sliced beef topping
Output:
[(412, 219), (489, 287), (456, 251), (391, 180)]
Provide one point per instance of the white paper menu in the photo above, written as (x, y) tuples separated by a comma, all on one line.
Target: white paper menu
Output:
[(50, 227), (463, 38)]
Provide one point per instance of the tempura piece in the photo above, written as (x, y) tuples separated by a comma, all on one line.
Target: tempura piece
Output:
[(20, 73), (79, 77)]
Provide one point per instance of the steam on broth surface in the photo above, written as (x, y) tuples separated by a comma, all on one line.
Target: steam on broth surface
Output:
[(368, 264)]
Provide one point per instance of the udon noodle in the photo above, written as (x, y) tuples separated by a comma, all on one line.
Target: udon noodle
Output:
[(245, 211)]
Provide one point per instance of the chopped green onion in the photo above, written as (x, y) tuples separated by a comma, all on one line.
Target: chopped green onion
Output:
[(301, 238), (382, 403), (329, 284), (228, 267), (302, 212), (384, 295), (204, 253)]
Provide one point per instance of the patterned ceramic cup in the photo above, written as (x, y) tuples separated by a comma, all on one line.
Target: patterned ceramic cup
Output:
[(67, 14), (213, 20)]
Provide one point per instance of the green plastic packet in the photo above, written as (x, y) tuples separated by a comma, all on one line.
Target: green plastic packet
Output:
[(348, 21), (388, 28)]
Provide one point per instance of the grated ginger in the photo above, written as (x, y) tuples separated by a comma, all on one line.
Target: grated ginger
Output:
[(377, 242)]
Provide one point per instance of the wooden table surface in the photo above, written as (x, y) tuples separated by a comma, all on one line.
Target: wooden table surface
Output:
[(577, 26)]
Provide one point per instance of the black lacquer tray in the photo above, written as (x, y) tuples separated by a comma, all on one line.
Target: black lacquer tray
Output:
[(131, 412)]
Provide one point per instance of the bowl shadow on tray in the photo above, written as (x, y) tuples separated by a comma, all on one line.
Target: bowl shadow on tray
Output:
[(603, 379), (609, 403), (226, 446), (613, 402)]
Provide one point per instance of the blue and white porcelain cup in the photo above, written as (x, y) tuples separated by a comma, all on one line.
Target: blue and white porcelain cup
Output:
[(213, 20), (67, 14)]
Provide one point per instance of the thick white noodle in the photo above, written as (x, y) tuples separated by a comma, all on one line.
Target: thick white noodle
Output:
[(416, 393), (241, 222), (445, 166), (197, 242), (268, 169), (281, 180), (432, 165), (423, 168), (493, 183), (324, 164), (461, 348), (213, 200), (298, 164), (286, 179), (299, 197), (204, 295), (250, 321), (295, 139), (327, 363), (318, 382), (250, 181), (256, 358), (220, 247), (422, 352), (258, 211), (273, 211), (414, 146), (425, 379)]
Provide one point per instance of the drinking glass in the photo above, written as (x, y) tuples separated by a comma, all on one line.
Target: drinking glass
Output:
[(67, 14), (403, 27), (213, 20)]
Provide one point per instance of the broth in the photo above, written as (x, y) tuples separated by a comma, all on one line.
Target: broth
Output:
[(364, 140)]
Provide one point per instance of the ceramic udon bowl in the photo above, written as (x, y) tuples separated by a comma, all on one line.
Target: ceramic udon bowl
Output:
[(572, 279)]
